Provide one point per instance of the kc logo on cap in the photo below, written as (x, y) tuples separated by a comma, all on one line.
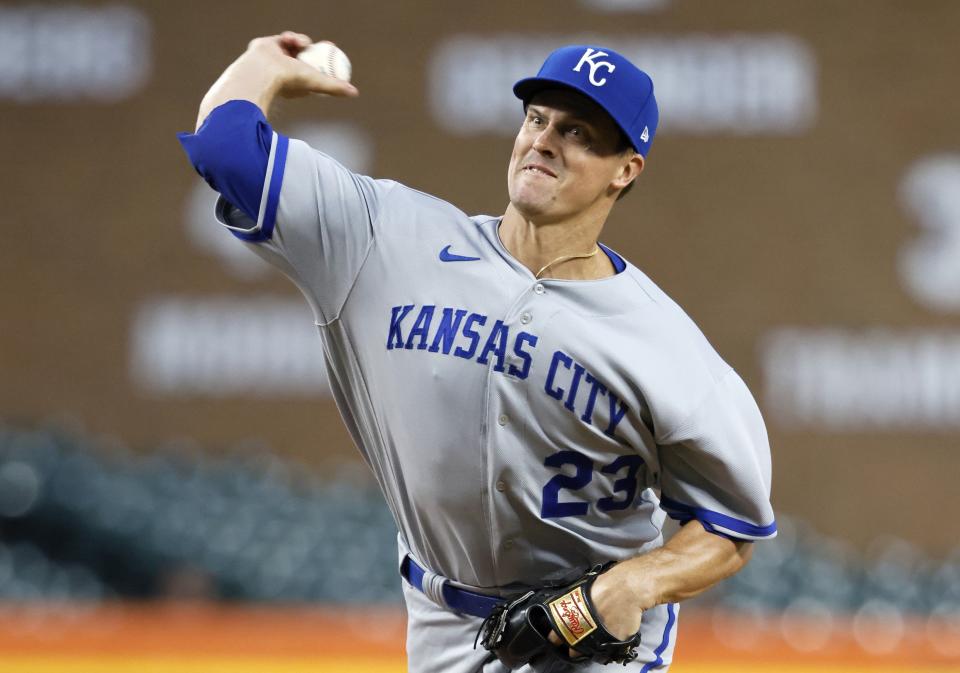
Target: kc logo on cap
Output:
[(589, 57)]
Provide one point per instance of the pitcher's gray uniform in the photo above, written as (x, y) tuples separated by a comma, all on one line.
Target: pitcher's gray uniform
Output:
[(517, 427)]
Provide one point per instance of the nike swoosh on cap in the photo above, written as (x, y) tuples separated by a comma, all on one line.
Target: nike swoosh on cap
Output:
[(447, 256)]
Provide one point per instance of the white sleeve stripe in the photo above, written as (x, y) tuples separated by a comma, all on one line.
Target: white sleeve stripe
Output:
[(266, 182), (741, 534)]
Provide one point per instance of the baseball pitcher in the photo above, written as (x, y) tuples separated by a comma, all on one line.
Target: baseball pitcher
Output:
[(531, 404)]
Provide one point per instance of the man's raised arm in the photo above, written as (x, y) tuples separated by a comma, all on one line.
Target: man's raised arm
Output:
[(267, 69)]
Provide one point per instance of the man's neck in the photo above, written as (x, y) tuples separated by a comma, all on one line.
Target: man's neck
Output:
[(543, 248)]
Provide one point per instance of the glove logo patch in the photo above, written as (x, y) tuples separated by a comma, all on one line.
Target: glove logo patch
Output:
[(572, 616)]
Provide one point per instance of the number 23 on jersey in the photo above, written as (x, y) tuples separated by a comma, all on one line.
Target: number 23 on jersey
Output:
[(624, 488)]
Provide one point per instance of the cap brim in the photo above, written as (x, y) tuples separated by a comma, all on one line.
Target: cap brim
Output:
[(526, 88)]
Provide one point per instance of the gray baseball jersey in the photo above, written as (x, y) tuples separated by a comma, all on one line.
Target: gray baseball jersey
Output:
[(517, 427)]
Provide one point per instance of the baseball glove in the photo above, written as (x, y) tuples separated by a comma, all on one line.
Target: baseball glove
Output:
[(517, 630)]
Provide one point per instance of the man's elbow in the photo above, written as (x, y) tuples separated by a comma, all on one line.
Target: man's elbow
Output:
[(743, 554)]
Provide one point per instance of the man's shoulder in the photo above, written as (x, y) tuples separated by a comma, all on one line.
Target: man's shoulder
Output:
[(646, 285), (404, 199), (406, 211), (662, 317), (672, 350)]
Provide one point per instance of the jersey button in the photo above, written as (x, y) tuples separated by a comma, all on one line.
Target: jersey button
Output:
[(503, 419), (539, 288), (501, 486), (526, 318)]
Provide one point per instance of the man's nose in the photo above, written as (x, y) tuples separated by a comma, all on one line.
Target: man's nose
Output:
[(545, 141)]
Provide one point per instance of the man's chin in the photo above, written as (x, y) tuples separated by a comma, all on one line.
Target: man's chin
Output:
[(531, 210), (532, 205)]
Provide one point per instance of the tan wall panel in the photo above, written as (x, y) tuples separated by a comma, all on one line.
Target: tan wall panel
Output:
[(748, 232)]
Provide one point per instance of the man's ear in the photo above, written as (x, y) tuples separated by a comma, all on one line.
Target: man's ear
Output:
[(629, 171)]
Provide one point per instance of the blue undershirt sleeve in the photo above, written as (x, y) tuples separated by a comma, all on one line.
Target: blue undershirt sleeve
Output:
[(303, 211), (231, 151)]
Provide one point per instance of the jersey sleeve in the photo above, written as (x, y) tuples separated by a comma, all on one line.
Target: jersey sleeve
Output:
[(300, 210), (716, 465)]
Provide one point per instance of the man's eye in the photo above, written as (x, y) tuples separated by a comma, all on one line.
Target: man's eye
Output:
[(536, 121)]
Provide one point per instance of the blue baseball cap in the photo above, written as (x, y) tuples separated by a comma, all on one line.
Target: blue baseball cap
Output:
[(610, 80)]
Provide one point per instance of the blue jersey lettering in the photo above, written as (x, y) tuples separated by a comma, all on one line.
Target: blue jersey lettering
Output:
[(447, 331), (617, 411), (472, 334), (421, 327), (496, 344), (523, 371), (559, 357), (578, 371), (394, 337), (595, 388)]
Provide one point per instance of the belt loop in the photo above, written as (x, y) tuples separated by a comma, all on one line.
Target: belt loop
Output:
[(442, 593), (433, 588)]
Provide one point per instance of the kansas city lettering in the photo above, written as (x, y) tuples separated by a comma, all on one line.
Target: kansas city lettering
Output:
[(580, 391), (473, 336), (438, 332)]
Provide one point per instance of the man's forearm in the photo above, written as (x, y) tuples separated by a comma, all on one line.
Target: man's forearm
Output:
[(267, 69), (689, 563), (245, 79)]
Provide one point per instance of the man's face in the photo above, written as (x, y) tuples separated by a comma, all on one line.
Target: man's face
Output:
[(565, 158)]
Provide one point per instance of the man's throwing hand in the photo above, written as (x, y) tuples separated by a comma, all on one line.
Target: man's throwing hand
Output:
[(294, 78)]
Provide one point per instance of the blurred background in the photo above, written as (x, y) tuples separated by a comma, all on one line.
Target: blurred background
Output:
[(177, 490)]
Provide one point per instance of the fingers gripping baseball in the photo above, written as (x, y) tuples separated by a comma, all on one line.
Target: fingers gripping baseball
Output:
[(294, 77)]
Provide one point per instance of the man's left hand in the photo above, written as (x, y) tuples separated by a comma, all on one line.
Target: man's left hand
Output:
[(616, 606)]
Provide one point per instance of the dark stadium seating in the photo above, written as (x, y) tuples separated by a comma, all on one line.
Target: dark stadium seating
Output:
[(89, 520)]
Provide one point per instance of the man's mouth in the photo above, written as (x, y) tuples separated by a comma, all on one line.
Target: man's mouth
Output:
[(537, 168)]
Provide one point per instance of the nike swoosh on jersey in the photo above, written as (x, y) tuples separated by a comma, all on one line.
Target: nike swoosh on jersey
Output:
[(447, 256)]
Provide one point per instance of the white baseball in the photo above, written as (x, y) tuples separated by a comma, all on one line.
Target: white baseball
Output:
[(328, 58)]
